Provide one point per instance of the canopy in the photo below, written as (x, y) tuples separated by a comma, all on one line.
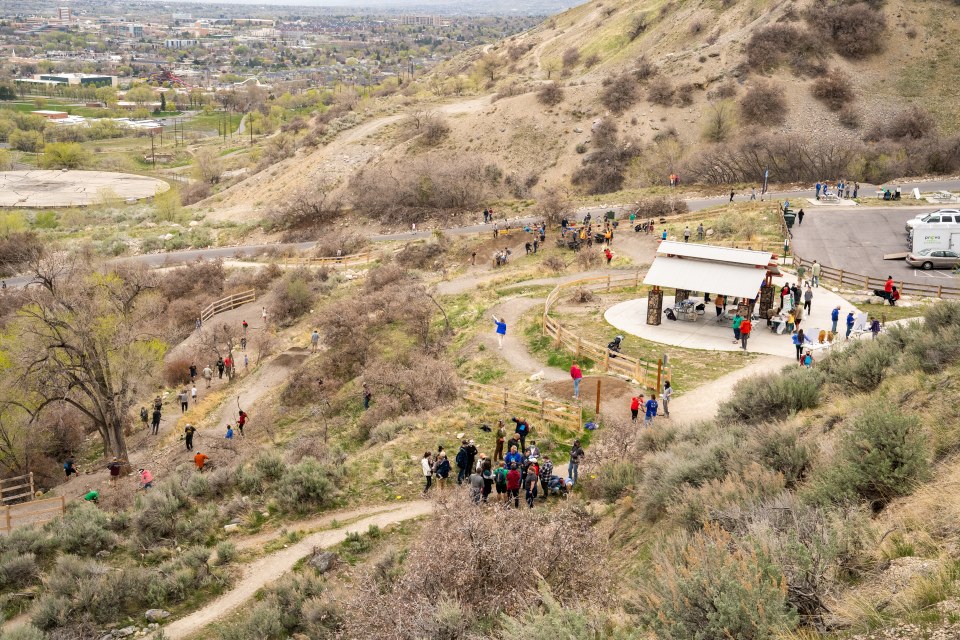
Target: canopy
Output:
[(714, 253), (738, 280)]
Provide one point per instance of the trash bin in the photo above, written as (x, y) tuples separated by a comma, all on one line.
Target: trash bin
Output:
[(789, 217), (611, 215)]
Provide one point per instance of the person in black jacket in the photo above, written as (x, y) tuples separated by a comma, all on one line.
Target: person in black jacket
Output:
[(463, 462), (523, 430)]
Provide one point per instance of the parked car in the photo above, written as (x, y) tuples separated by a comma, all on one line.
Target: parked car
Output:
[(934, 259), (941, 215)]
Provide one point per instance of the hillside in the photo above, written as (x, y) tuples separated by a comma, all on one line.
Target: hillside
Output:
[(683, 83)]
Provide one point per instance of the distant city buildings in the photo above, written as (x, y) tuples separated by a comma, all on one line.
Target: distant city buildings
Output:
[(81, 79), (425, 21)]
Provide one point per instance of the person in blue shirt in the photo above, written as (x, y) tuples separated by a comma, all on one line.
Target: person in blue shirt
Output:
[(850, 322), (651, 407), (501, 329), (663, 236), (229, 435), (834, 318), (798, 340), (514, 457)]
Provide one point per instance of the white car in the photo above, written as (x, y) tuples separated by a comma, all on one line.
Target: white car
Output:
[(942, 215)]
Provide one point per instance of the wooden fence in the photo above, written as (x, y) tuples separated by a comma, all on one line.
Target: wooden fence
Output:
[(861, 281), (561, 414), (228, 303), (17, 488), (650, 373), (34, 512)]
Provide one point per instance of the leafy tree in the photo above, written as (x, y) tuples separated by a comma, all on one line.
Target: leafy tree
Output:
[(63, 155), (30, 141), (82, 339), (140, 95)]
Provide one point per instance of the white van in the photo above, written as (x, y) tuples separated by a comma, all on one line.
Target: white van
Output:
[(941, 216), (936, 236)]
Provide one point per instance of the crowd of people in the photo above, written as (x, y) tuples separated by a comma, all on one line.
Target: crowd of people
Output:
[(514, 467)]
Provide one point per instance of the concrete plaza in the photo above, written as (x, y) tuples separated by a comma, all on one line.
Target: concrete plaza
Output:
[(66, 188), (708, 334)]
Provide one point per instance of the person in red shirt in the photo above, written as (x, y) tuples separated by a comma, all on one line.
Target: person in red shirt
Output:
[(513, 485), (200, 460), (635, 403), (888, 285), (241, 420), (577, 376), (608, 255), (745, 327)]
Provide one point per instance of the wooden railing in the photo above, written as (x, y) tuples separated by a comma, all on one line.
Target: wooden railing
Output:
[(335, 261), (648, 372), (228, 303), (561, 414), (859, 280), (17, 488), (35, 512)]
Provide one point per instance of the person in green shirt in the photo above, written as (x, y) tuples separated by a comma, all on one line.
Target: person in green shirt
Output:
[(92, 495), (737, 321), (801, 271)]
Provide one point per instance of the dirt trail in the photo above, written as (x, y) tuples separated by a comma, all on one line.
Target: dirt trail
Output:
[(269, 568), (701, 403), (514, 349)]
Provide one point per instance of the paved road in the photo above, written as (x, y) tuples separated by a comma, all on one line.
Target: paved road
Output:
[(856, 239), (695, 204)]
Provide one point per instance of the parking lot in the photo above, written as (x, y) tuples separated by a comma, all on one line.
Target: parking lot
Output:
[(856, 239)]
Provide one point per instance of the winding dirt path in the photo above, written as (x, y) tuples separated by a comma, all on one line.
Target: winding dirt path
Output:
[(269, 568), (514, 348)]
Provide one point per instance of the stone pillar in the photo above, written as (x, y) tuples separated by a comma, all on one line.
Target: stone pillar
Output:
[(745, 307), (682, 294), (766, 302), (654, 306)]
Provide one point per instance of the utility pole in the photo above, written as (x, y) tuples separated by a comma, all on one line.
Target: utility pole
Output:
[(153, 154)]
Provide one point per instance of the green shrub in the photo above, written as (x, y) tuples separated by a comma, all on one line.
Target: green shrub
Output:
[(881, 457), (84, 530), (861, 365), (249, 480), (305, 485), (28, 540), (261, 621), (942, 315), (613, 480), (51, 611), (17, 570), (25, 632), (779, 448), (695, 506), (198, 527), (280, 613), (269, 465), (198, 486), (707, 586), (553, 620), (763, 398), (156, 516), (226, 552)]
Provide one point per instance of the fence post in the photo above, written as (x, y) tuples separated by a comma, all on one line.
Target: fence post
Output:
[(32, 489), (608, 283), (939, 290), (606, 360), (636, 285), (505, 400), (63, 505), (866, 282), (9, 527), (659, 373), (636, 372), (542, 408), (841, 277)]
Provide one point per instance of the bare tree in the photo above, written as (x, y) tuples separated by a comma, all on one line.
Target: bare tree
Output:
[(207, 166), (84, 339)]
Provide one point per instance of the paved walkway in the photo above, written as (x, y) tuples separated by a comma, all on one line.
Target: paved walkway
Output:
[(708, 335)]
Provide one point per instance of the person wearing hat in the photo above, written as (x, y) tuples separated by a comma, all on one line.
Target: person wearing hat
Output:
[(463, 461), (114, 467)]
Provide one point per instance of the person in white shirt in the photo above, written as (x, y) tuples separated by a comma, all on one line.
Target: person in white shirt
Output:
[(427, 467)]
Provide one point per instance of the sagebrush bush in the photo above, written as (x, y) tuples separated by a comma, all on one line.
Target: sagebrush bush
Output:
[(305, 485), (762, 398), (292, 297), (696, 505), (156, 517), (945, 314), (833, 89), (862, 365), (176, 371), (931, 350), (84, 530), (709, 586), (882, 456), (779, 447), (763, 104), (280, 612), (23, 632), (614, 479), (849, 117), (18, 570)]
